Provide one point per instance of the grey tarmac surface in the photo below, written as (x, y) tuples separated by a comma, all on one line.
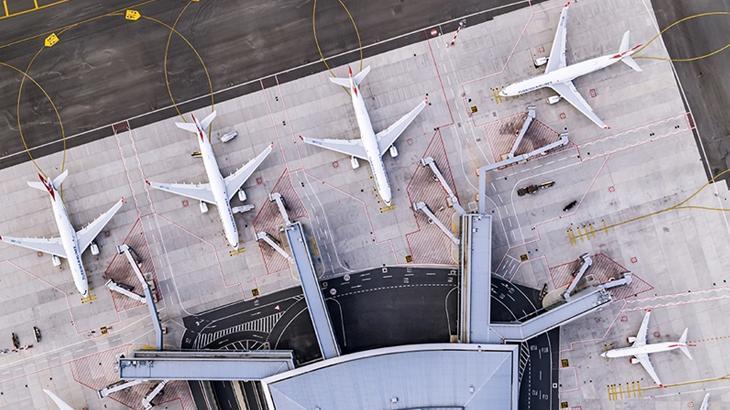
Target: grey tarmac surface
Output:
[(375, 309), (106, 69), (705, 82)]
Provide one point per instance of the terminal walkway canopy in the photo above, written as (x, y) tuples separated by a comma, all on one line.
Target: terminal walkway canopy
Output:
[(441, 375)]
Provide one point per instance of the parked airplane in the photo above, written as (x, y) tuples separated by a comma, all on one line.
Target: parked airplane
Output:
[(639, 350), (559, 76), (62, 405), (218, 191), (71, 244), (371, 146)]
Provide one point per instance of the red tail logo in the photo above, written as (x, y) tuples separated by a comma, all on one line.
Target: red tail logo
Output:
[(48, 185), (354, 86), (200, 132)]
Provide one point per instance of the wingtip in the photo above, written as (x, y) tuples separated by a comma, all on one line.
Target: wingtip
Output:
[(300, 137), (147, 181), (123, 200), (567, 4)]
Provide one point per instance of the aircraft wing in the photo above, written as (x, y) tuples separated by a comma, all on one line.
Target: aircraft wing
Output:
[(238, 178), (87, 234), (570, 94), (705, 402), (62, 405), (557, 52), (200, 192), (352, 148), (641, 336), (646, 363), (50, 246), (387, 137)]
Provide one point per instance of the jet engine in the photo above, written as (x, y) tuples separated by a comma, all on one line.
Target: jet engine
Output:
[(354, 163), (393, 151)]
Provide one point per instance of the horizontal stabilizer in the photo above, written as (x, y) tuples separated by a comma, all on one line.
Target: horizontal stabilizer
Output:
[(207, 120), (37, 185), (631, 63), (624, 47), (57, 181), (683, 342), (359, 77), (187, 126), (345, 82)]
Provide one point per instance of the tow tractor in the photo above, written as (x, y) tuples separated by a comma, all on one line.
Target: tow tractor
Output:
[(531, 189)]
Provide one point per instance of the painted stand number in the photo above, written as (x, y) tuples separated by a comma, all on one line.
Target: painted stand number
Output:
[(51, 40), (132, 15)]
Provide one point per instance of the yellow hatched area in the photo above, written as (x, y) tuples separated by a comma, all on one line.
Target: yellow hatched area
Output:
[(624, 391), (10, 8)]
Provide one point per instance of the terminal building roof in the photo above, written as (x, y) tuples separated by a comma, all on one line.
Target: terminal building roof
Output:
[(441, 376)]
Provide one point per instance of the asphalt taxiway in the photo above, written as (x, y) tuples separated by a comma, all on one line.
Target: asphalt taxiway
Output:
[(105, 69), (705, 82)]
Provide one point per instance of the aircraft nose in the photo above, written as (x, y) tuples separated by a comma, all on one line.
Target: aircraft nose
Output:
[(603, 354)]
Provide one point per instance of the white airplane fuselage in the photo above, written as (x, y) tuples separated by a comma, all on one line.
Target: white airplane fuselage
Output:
[(69, 242), (560, 75), (218, 188), (645, 349), (370, 143)]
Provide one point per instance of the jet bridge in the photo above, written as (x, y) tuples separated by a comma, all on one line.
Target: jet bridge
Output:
[(147, 400), (585, 264), (263, 236), (128, 252), (204, 365), (312, 291), (476, 283), (452, 199), (316, 304), (523, 130), (115, 287), (476, 279), (421, 206), (580, 304)]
